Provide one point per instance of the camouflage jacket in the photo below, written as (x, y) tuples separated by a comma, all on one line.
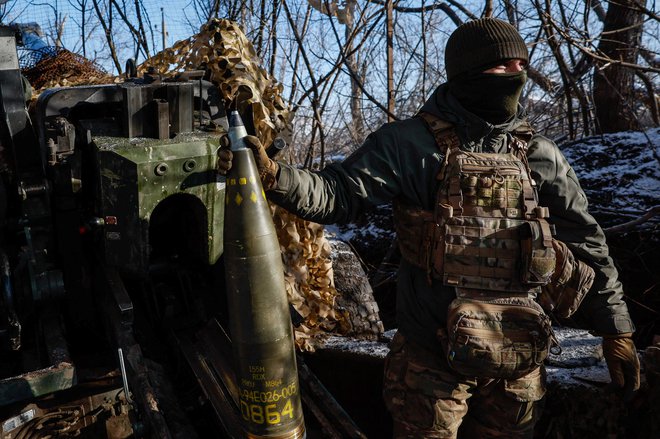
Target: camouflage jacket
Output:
[(401, 160)]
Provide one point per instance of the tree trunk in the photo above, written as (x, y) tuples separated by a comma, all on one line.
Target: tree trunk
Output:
[(390, 60), (83, 33), (614, 95), (107, 28), (273, 37), (351, 57)]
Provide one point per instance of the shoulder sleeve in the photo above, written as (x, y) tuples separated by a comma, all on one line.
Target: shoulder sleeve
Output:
[(603, 310), (340, 192)]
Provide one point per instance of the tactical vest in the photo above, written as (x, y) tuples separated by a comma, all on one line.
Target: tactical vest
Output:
[(487, 231), (487, 237)]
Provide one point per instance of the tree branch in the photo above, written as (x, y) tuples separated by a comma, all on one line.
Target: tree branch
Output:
[(442, 6), (631, 224), (108, 36), (357, 80), (310, 71)]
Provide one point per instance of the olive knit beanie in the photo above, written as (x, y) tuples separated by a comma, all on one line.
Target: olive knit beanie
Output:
[(481, 42)]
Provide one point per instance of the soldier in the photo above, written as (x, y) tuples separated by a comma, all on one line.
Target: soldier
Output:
[(460, 171)]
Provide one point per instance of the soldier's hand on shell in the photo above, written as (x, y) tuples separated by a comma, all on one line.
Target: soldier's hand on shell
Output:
[(224, 156), (261, 159)]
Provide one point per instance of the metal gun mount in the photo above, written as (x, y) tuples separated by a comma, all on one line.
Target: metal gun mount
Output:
[(111, 248)]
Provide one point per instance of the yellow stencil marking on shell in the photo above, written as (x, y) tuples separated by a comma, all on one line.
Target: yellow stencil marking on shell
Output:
[(253, 197), (232, 181), (238, 199), (242, 181), (263, 194)]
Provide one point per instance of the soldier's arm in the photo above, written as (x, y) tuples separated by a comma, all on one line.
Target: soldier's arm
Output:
[(341, 191), (603, 310)]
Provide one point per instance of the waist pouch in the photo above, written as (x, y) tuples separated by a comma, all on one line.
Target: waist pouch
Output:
[(497, 338)]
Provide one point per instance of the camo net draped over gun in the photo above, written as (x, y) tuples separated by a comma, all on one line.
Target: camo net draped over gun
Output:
[(222, 49)]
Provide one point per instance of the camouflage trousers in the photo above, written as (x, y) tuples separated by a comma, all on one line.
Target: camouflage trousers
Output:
[(428, 400)]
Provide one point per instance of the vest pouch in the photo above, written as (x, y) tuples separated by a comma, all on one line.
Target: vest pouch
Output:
[(483, 254), (571, 283), (497, 338), (415, 232), (537, 254)]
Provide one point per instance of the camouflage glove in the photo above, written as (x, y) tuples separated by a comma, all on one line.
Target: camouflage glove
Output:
[(622, 361), (266, 167)]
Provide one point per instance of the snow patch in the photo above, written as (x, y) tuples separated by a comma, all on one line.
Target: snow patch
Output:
[(619, 172)]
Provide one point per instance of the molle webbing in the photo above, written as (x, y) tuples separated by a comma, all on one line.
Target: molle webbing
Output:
[(487, 231), (443, 132), (415, 231), (506, 192)]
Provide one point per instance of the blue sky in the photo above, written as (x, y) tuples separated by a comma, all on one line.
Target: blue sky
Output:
[(180, 22)]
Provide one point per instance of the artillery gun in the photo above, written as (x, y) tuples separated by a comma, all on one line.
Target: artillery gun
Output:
[(111, 217)]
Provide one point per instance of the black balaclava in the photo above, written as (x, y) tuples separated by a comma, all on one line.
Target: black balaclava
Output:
[(474, 47), (491, 96)]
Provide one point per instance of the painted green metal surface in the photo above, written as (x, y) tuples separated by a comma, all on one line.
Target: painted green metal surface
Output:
[(138, 174), (37, 383)]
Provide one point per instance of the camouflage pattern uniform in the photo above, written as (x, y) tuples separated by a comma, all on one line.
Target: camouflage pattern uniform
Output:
[(427, 399)]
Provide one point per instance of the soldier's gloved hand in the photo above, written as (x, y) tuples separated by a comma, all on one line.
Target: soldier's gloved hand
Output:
[(224, 156), (267, 168), (622, 361)]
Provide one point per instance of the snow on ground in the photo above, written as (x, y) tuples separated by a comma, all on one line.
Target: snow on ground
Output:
[(350, 231), (581, 359), (619, 172), (580, 362), (357, 346)]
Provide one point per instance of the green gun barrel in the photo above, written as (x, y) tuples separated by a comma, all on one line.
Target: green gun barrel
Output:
[(259, 319)]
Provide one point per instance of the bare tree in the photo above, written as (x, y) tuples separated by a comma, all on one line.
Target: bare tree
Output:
[(315, 88), (106, 24), (351, 65), (612, 98), (54, 28), (347, 17), (389, 23), (352, 60), (273, 36), (614, 90), (262, 26), (138, 33), (8, 9), (82, 7)]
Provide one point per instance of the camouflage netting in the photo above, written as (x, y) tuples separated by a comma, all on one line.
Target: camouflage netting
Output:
[(309, 278), (223, 50), (64, 69)]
